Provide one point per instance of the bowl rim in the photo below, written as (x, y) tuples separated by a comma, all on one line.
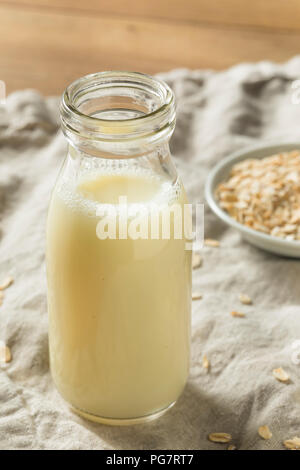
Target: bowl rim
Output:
[(224, 165)]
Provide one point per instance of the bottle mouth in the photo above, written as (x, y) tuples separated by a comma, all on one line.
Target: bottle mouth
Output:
[(117, 107)]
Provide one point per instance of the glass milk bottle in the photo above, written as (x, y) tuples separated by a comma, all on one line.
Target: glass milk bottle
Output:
[(119, 301)]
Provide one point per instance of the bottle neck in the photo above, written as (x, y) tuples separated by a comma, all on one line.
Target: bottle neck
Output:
[(118, 115), (79, 165)]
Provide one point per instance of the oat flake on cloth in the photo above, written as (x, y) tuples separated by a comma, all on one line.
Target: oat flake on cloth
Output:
[(217, 114)]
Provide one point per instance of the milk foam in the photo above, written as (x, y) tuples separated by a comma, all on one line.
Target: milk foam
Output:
[(68, 190)]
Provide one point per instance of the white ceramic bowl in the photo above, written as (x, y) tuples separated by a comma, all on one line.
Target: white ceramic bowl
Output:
[(221, 172)]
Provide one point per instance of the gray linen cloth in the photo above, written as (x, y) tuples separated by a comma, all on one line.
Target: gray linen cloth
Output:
[(217, 113)]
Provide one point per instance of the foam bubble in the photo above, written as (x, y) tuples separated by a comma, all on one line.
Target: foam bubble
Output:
[(168, 193)]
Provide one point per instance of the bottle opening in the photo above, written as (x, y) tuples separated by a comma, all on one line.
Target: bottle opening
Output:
[(117, 107)]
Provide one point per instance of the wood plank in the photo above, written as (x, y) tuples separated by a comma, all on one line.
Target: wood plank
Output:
[(48, 50), (261, 13)]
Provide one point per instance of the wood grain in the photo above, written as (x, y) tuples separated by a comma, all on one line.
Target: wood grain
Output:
[(46, 47), (266, 13)]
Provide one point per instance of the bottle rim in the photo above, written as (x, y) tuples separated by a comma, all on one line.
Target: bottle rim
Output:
[(153, 126)]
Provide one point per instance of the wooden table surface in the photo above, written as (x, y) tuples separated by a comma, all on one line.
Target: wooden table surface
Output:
[(45, 44)]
